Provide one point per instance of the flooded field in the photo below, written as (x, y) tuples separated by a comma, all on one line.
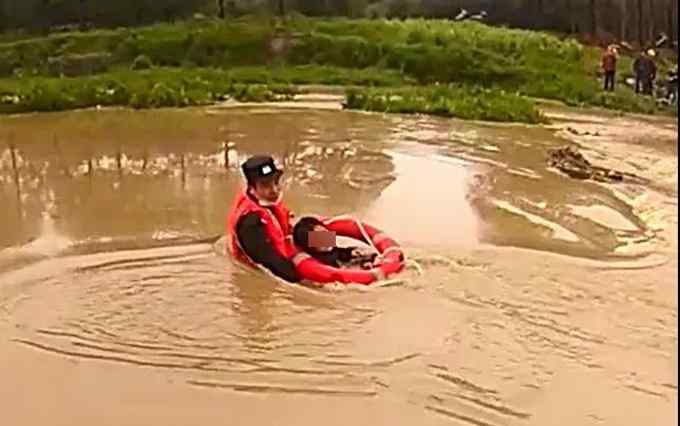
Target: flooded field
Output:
[(543, 300)]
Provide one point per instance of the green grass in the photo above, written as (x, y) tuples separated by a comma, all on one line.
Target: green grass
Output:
[(320, 75), (380, 53), (137, 89), (472, 103), (175, 87)]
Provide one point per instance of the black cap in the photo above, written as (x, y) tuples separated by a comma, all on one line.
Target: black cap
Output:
[(259, 167)]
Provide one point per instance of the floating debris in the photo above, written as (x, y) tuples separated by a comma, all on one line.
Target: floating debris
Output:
[(582, 133), (571, 162)]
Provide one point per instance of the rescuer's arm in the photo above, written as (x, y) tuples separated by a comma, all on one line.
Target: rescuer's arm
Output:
[(253, 238)]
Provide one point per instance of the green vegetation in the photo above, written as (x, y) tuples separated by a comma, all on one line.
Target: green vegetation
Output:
[(142, 89), (409, 56), (471, 103)]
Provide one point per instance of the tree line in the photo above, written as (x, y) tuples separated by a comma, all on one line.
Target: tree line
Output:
[(634, 21)]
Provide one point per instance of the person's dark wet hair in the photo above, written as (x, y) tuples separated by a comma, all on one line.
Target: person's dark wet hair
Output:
[(301, 231)]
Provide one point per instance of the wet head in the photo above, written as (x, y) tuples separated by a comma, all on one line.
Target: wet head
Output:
[(312, 235), (321, 239)]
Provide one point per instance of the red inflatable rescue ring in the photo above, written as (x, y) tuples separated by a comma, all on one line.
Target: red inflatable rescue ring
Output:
[(392, 257)]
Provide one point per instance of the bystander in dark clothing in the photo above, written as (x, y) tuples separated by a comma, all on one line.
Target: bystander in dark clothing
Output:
[(644, 69), (638, 73), (672, 87)]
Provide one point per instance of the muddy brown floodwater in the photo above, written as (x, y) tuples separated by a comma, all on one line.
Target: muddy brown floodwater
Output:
[(542, 300)]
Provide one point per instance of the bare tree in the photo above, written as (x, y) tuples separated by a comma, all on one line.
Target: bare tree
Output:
[(640, 21), (673, 21), (651, 20), (623, 23), (2, 15), (220, 8), (670, 5), (570, 16), (537, 7), (82, 6), (593, 17)]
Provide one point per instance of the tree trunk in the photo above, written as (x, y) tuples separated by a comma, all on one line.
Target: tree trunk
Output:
[(669, 19), (651, 30), (536, 7), (45, 22), (570, 16), (593, 17), (82, 12), (673, 30), (3, 26), (220, 8), (624, 15), (640, 22)]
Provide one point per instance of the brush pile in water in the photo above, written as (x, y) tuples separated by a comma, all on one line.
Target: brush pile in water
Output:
[(571, 162)]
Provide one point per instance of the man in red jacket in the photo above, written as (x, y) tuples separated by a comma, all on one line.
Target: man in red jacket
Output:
[(609, 59), (259, 223)]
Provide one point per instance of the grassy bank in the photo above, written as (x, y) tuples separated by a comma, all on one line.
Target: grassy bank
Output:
[(339, 52)]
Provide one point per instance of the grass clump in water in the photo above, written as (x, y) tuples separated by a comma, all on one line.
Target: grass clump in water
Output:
[(177, 87), (143, 89), (458, 101), (141, 62), (320, 75)]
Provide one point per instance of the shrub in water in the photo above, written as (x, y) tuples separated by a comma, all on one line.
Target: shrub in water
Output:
[(446, 100), (141, 62), (76, 65), (162, 95)]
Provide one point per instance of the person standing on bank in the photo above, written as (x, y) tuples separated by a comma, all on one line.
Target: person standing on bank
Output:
[(609, 59), (638, 71), (650, 73), (644, 69), (259, 222)]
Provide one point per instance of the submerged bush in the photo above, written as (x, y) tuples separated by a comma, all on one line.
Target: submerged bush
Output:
[(141, 62), (46, 95), (149, 89), (76, 65)]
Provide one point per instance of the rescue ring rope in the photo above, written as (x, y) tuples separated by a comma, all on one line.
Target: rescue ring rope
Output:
[(380, 256)]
